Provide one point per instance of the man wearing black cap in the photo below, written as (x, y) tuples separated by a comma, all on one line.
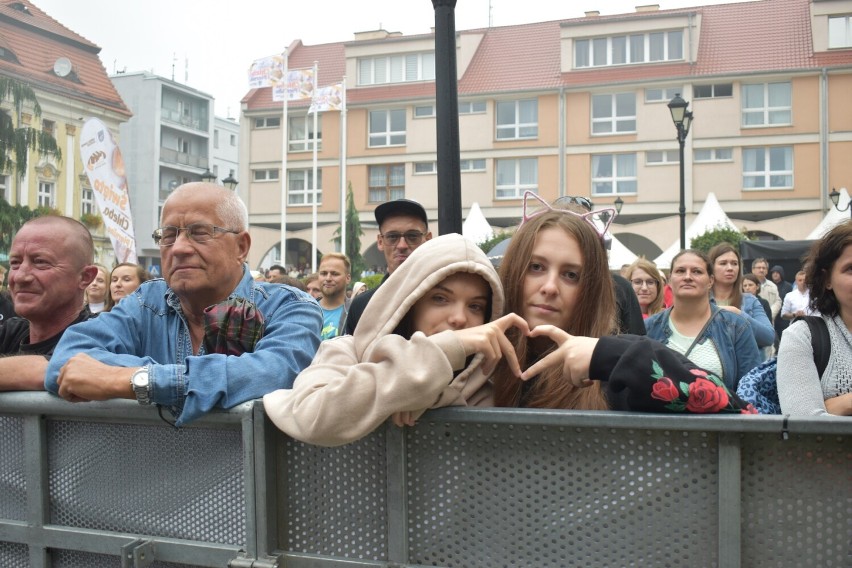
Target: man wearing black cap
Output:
[(403, 226)]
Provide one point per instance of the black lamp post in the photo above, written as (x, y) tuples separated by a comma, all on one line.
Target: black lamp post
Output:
[(682, 119), (835, 199), (230, 182), (618, 204), (208, 176)]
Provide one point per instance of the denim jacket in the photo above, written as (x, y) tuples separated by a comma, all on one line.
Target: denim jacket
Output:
[(730, 332), (764, 332), (148, 328)]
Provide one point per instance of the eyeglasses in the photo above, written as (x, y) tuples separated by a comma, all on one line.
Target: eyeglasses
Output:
[(197, 232), (637, 283), (583, 202), (412, 238)]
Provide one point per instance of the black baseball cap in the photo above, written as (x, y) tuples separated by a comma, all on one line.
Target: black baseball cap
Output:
[(400, 207)]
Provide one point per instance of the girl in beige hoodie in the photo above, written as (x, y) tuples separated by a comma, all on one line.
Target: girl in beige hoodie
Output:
[(424, 338)]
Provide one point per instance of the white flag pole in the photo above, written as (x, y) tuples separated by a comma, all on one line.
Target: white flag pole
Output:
[(314, 191), (343, 202), (283, 175)]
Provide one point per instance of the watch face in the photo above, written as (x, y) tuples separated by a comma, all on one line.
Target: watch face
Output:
[(140, 379)]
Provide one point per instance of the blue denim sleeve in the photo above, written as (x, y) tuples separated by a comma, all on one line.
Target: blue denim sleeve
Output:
[(288, 345), (764, 332), (747, 353)]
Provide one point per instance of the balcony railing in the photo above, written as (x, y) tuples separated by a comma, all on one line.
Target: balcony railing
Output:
[(174, 157), (176, 117)]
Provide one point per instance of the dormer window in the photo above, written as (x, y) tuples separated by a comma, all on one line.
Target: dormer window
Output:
[(628, 49), (839, 32), (402, 68)]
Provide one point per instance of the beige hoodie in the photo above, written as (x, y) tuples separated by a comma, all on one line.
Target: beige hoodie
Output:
[(356, 382)]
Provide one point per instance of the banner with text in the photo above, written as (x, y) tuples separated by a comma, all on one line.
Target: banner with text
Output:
[(292, 85), (105, 167), (328, 98)]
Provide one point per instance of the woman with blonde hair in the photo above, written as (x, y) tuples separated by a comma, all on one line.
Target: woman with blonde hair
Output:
[(97, 293), (124, 279), (648, 284)]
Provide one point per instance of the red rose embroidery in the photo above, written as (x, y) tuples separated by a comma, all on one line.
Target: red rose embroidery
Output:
[(706, 397), (698, 372), (750, 409), (665, 390)]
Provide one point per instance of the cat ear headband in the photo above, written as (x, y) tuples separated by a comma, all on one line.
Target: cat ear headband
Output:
[(599, 220)]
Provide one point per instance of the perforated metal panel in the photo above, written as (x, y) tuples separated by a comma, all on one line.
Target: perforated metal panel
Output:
[(503, 495), (72, 559), (13, 485), (149, 480), (336, 502), (13, 555), (800, 488)]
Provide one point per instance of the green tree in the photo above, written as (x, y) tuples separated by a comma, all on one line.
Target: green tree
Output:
[(16, 142), (353, 236), (11, 219), (495, 240), (716, 236)]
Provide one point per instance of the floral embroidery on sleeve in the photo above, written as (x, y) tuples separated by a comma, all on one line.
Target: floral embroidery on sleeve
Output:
[(705, 393)]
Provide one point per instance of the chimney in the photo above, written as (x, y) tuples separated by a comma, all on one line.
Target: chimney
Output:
[(648, 8)]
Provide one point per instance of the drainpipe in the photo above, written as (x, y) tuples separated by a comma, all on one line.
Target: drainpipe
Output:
[(823, 140), (562, 136)]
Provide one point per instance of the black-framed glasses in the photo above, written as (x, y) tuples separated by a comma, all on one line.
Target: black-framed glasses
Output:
[(583, 202), (197, 232), (412, 238)]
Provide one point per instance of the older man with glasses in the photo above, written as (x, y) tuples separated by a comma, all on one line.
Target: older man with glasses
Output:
[(403, 226), (207, 335)]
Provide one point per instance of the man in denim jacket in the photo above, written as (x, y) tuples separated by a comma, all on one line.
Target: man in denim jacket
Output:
[(155, 346)]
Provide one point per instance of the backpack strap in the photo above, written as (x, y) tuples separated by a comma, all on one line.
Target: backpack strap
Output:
[(820, 341)]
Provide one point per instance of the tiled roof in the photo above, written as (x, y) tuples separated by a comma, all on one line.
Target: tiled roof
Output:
[(37, 41), (740, 38)]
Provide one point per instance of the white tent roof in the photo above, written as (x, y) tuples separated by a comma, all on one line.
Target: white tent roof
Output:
[(619, 255), (833, 217), (711, 216), (476, 227)]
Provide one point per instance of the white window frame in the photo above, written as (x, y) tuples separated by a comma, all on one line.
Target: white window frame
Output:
[(662, 157), (627, 49), (713, 155), (300, 130), (839, 32), (474, 165), (387, 174), (396, 68), (523, 123), (424, 111), (713, 88), (299, 189), (665, 94), (87, 201), (765, 113), (472, 107), (425, 168), (387, 136), (46, 196), (265, 122), (5, 187), (264, 175), (765, 176), (620, 182), (613, 121), (514, 176)]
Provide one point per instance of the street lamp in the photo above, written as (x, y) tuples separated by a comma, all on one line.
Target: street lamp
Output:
[(835, 199), (682, 119), (619, 203), (230, 182), (208, 176)]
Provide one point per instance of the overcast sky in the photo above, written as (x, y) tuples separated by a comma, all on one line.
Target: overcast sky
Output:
[(209, 44)]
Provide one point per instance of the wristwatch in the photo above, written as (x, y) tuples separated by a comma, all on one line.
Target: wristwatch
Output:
[(141, 386)]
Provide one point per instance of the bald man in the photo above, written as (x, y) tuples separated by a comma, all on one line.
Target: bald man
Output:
[(51, 264), (206, 336)]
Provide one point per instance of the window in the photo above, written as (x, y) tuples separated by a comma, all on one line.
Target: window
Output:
[(662, 94), (425, 168), (87, 201), (5, 190), (839, 32), (514, 177), (300, 133), (632, 49), (233, 139), (264, 175), (45, 194), (654, 157), (471, 107), (613, 113), (517, 119), (768, 168), (387, 128), (267, 122), (714, 155), (767, 104), (396, 68), (48, 127), (613, 174), (713, 91), (387, 183), (300, 187), (472, 165), (424, 111), (215, 138), (183, 145)]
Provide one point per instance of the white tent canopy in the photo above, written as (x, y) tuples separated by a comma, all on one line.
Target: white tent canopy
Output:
[(476, 227), (711, 216), (833, 217), (619, 255)]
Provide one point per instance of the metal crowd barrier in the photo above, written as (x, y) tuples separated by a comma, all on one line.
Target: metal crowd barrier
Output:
[(109, 484)]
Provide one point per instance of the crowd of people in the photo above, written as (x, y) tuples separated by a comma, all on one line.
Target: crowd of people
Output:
[(554, 328)]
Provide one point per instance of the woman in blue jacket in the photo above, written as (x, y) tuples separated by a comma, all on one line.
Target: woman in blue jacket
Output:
[(727, 293), (717, 340)]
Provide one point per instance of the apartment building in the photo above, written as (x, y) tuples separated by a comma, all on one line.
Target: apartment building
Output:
[(71, 85), (574, 107)]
